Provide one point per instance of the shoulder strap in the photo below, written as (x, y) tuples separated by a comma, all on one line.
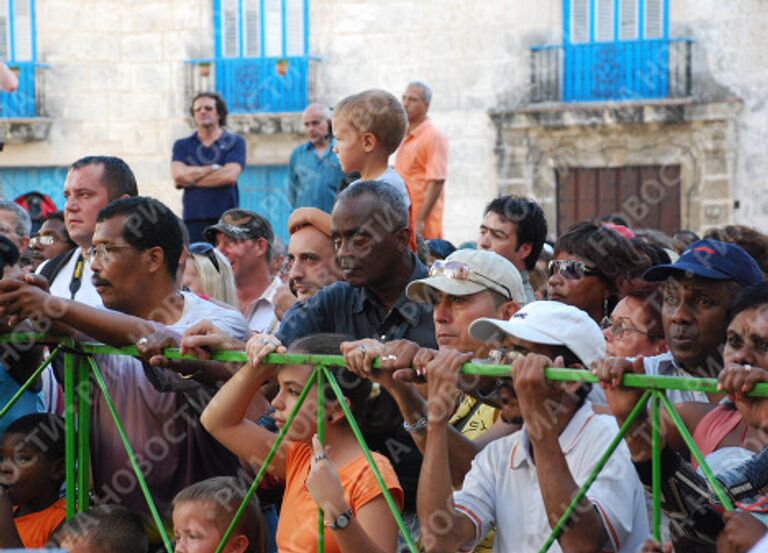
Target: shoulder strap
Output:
[(51, 269)]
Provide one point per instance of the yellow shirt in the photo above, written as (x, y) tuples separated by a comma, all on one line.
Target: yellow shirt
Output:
[(471, 425)]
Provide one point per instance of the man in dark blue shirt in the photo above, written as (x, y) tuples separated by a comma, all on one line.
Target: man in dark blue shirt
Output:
[(207, 165)]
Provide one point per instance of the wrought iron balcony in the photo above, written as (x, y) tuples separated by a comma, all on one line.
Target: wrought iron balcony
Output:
[(27, 101), (611, 71), (255, 85)]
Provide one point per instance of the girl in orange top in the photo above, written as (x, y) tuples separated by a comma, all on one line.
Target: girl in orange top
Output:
[(336, 478)]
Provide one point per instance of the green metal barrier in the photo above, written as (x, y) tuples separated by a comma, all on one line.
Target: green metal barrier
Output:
[(79, 368)]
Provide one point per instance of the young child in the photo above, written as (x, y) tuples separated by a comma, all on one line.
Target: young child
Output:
[(31, 475), (102, 529), (203, 511), (368, 128), (336, 477)]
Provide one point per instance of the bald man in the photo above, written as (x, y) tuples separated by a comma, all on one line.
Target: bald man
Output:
[(310, 257), (314, 172)]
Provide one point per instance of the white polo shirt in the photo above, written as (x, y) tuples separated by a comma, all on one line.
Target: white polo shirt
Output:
[(502, 488), (261, 312)]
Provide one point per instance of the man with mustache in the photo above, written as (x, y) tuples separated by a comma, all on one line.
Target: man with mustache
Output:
[(135, 253), (698, 288)]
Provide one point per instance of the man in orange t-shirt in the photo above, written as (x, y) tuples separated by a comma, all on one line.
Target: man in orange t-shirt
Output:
[(422, 161)]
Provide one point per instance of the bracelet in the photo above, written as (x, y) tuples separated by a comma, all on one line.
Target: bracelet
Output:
[(417, 427)]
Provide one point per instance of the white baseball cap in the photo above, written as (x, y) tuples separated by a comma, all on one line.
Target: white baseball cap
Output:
[(548, 322), (466, 272)]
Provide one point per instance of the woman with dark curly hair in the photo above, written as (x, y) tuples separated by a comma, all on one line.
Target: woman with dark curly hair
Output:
[(592, 264)]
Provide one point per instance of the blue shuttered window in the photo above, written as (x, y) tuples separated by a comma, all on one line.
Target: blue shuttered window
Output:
[(262, 54), (615, 49), (261, 28), (17, 31), (19, 51), (592, 21)]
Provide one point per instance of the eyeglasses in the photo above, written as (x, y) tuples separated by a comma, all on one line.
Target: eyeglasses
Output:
[(40, 241), (458, 270), (619, 327), (572, 269), (105, 251), (206, 249)]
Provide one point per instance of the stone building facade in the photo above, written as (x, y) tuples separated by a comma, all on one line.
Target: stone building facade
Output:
[(118, 77)]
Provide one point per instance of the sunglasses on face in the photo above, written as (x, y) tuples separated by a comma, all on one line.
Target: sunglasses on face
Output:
[(206, 249), (458, 270), (572, 269), (40, 241)]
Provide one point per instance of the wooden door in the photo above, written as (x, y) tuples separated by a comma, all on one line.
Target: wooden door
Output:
[(647, 196)]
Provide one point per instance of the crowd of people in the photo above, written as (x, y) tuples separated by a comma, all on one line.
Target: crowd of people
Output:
[(473, 463)]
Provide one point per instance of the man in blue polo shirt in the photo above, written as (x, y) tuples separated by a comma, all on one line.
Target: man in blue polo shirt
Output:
[(207, 165), (314, 172)]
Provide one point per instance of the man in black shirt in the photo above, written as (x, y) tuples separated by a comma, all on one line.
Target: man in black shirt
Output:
[(371, 239)]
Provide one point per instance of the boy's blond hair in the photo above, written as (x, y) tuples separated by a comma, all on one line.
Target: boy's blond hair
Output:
[(377, 112)]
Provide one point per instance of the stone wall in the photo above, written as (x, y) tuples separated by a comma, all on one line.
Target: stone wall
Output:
[(732, 45), (533, 144), (116, 85)]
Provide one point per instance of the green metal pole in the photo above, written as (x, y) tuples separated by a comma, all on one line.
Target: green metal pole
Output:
[(268, 459), (28, 384), (70, 432), (707, 385), (714, 483), (687, 383), (83, 435), (656, 463), (560, 526), (321, 437), (371, 463), (131, 456)]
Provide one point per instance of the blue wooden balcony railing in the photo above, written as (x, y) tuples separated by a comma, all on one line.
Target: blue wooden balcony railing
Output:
[(255, 85), (611, 71), (27, 100)]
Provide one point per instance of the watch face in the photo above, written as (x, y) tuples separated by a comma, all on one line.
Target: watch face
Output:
[(342, 521)]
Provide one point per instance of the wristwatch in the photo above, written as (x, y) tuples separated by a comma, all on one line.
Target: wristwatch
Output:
[(341, 521), (215, 167)]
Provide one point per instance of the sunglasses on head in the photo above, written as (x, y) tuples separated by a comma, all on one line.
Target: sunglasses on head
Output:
[(206, 249), (572, 269), (458, 270)]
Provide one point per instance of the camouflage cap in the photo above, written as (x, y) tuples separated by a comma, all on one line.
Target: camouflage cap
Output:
[(241, 224)]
